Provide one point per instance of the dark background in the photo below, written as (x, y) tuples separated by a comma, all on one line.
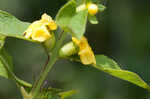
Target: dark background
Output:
[(123, 34)]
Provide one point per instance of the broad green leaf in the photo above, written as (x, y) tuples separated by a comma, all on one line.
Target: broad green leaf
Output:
[(11, 26), (111, 67), (71, 21)]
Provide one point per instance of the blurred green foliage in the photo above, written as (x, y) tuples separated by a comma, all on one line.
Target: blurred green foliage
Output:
[(122, 33)]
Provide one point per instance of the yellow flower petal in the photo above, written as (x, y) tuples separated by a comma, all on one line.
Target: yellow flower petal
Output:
[(46, 18), (92, 8), (40, 30), (85, 52), (76, 41), (41, 34), (31, 28), (28, 33), (52, 25)]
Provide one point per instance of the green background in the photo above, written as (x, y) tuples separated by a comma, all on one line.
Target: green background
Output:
[(122, 33)]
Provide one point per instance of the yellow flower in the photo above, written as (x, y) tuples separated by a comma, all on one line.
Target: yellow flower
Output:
[(41, 34), (40, 30), (92, 8), (47, 20), (85, 52)]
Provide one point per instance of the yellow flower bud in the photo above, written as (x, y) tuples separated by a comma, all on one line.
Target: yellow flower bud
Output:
[(92, 8), (85, 52)]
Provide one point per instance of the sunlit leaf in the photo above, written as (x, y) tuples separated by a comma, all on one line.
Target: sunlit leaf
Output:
[(71, 21), (11, 26), (111, 67)]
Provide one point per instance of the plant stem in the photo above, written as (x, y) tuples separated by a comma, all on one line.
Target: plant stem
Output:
[(54, 55)]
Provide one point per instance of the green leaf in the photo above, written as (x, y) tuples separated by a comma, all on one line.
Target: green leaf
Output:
[(101, 7), (79, 2), (11, 26), (93, 19), (5, 64), (2, 41), (66, 94), (106, 62), (50, 93), (3, 70), (24, 93), (53, 93), (71, 21), (111, 67)]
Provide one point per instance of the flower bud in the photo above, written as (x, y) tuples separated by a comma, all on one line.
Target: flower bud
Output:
[(92, 8), (68, 50)]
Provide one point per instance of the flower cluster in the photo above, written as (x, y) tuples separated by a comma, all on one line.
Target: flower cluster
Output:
[(41, 30)]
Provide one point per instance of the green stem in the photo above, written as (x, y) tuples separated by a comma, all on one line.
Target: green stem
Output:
[(54, 56)]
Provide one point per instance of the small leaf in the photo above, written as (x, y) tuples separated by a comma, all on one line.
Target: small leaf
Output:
[(101, 7), (64, 95), (71, 21), (24, 93), (54, 93), (109, 66), (50, 93), (93, 19), (2, 41)]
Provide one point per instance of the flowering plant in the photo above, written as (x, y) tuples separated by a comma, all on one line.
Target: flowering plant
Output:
[(71, 20)]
